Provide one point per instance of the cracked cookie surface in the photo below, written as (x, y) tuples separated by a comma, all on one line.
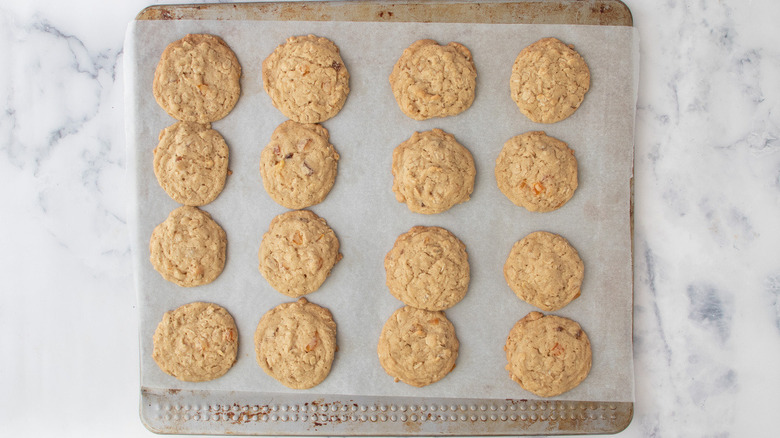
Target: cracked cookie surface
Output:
[(536, 171), (196, 342), (299, 165), (432, 172), (191, 163), (549, 81), (547, 355), (430, 80), (298, 252), (197, 79), (188, 248), (295, 343), (544, 270), (418, 347), (306, 79), (428, 268)]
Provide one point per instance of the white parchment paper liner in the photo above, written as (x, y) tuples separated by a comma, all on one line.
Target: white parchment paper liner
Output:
[(363, 212)]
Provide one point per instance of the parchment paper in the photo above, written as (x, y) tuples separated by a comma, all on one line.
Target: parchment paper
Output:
[(367, 219)]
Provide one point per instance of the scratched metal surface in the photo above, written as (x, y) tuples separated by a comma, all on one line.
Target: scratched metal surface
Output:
[(246, 413)]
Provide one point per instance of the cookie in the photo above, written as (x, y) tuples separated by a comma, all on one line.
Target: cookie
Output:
[(298, 252), (418, 347), (191, 163), (430, 80), (188, 248), (547, 355), (299, 164), (306, 79), (537, 171), (197, 79), (428, 268), (549, 81), (196, 342), (544, 270), (432, 172), (295, 344)]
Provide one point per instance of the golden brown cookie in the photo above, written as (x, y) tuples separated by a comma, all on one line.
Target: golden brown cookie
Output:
[(197, 79), (188, 248), (428, 268), (418, 347), (549, 81), (196, 342), (544, 270), (295, 343), (191, 163), (306, 79), (298, 252), (432, 172), (547, 355), (299, 165), (536, 171), (430, 80)]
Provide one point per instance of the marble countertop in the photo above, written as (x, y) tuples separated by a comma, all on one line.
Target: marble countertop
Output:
[(707, 211)]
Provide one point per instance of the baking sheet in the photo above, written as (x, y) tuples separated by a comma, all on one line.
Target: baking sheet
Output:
[(363, 212)]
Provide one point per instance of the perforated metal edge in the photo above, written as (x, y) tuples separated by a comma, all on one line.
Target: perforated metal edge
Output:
[(217, 412)]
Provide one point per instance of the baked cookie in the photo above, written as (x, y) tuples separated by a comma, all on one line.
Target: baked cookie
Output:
[(299, 165), (430, 80), (432, 172), (544, 270), (537, 171), (547, 355), (549, 81), (191, 163), (188, 248), (428, 268), (196, 342), (298, 252), (306, 79), (418, 347), (295, 344), (197, 79)]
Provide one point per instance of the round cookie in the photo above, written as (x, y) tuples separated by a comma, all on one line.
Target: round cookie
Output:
[(432, 172), (299, 165), (196, 342), (547, 355), (306, 79), (298, 252), (197, 79), (544, 270), (430, 80), (418, 347), (188, 248), (295, 344), (191, 163), (428, 268), (536, 171), (549, 81)]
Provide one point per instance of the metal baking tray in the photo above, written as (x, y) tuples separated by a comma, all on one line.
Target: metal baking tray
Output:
[(247, 413)]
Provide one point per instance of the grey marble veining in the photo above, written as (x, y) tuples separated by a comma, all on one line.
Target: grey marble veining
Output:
[(707, 210)]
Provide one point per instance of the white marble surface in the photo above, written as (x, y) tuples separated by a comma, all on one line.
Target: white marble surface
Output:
[(707, 210)]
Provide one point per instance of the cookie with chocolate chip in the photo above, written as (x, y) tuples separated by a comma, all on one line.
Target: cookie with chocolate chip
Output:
[(299, 165)]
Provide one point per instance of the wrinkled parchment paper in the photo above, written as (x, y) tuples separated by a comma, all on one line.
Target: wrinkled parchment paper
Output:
[(367, 219)]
